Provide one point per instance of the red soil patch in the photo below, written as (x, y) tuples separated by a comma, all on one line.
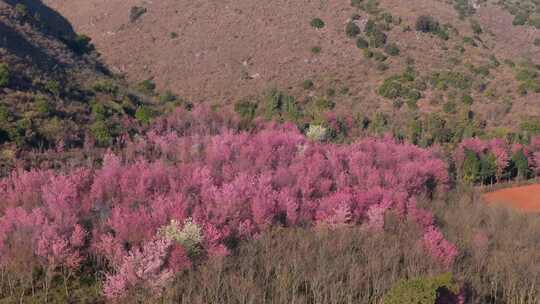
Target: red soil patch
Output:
[(526, 198)]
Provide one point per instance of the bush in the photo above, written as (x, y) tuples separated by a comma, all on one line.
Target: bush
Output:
[(520, 19), (81, 45), (537, 41), (427, 24), (136, 12), (105, 86), (476, 28), (4, 75), (449, 107), (352, 30), (307, 84), (423, 290), (361, 43), (391, 49), (147, 87), (467, 99), (144, 114), (246, 109), (167, 97), (317, 23), (377, 38), (101, 133), (316, 50)]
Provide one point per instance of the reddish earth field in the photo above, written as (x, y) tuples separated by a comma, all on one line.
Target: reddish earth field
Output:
[(526, 198)]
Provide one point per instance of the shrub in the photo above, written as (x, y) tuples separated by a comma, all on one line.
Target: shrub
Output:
[(147, 87), (43, 106), (476, 28), (391, 49), (423, 290), (316, 50), (467, 99), (167, 97), (352, 30), (53, 87), (427, 24), (449, 107), (379, 56), (520, 19), (105, 86), (361, 43), (377, 38), (246, 109), (101, 133), (173, 35), (136, 12), (144, 114), (4, 75), (537, 41), (81, 44), (307, 84), (317, 23)]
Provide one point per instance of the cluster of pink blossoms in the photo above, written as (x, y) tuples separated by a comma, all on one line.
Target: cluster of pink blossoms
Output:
[(232, 185)]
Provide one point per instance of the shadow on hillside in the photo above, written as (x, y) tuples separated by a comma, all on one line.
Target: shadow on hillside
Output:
[(55, 22)]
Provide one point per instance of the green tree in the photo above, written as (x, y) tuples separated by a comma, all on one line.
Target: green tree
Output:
[(4, 75), (520, 165), (488, 168), (423, 290), (471, 167)]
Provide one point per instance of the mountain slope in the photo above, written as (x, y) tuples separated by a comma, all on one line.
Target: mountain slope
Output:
[(225, 51)]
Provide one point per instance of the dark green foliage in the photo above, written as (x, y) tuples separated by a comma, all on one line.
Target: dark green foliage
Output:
[(81, 44), (21, 10), (377, 38), (464, 8), (307, 84), (368, 53), (105, 86), (427, 24), (147, 87), (324, 104), (467, 99), (379, 56), (352, 30), (391, 49), (136, 12), (317, 23), (316, 49), (488, 168), (423, 290), (281, 105), (53, 87), (476, 28), (246, 109), (101, 133), (529, 80), (399, 87), (471, 167), (520, 165), (173, 35), (530, 126), (361, 43), (167, 97), (43, 106), (144, 114), (450, 79), (4, 75), (537, 41), (520, 19), (450, 107)]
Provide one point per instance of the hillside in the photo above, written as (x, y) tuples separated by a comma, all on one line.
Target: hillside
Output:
[(54, 91), (226, 51)]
